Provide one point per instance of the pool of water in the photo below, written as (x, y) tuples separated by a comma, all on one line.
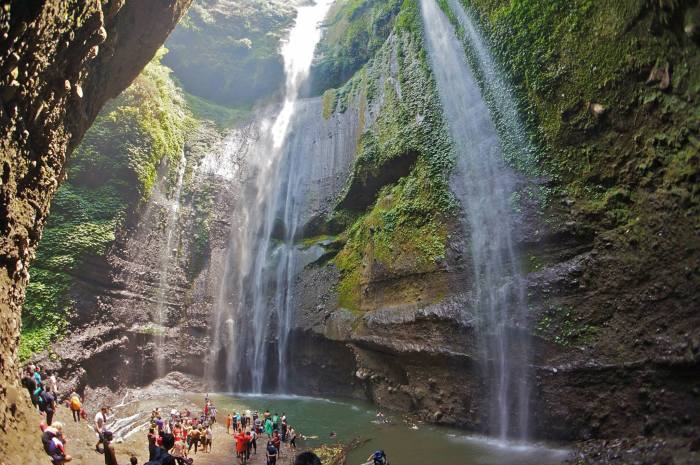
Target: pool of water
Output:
[(404, 445)]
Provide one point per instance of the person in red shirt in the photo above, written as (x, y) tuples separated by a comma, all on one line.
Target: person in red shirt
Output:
[(241, 445), (276, 440)]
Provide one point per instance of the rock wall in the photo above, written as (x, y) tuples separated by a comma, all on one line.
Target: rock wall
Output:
[(608, 216), (60, 62)]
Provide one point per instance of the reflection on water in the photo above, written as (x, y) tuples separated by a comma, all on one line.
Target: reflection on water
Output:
[(427, 445)]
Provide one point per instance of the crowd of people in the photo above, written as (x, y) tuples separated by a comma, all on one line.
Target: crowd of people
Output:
[(249, 426), (173, 438)]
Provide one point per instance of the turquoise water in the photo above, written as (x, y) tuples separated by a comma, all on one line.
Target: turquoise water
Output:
[(427, 445)]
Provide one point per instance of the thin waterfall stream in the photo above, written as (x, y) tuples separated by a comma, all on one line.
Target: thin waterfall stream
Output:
[(484, 185), (166, 256)]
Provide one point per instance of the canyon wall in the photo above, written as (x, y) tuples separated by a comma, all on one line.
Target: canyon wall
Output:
[(60, 62), (607, 207)]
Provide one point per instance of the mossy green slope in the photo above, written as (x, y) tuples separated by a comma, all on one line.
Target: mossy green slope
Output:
[(355, 31), (403, 230), (229, 52)]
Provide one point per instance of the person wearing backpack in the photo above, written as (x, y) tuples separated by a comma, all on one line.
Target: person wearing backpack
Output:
[(52, 440), (49, 404), (271, 453), (75, 406), (162, 453)]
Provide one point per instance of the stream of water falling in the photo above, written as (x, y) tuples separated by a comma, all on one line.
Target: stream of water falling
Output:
[(484, 186), (254, 305), (166, 256)]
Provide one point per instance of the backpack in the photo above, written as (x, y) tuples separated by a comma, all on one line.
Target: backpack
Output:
[(46, 399), (40, 400), (75, 403), (47, 439), (379, 458), (160, 458)]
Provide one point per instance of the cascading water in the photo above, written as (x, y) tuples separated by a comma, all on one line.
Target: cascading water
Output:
[(166, 256), (254, 305), (484, 185)]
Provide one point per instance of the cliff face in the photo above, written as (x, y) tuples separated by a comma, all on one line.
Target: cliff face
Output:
[(608, 219), (607, 213), (60, 62)]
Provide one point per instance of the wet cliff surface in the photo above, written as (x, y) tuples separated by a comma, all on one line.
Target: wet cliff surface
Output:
[(61, 61), (605, 208), (609, 244)]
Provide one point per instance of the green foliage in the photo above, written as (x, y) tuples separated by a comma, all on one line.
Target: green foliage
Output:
[(405, 230), (224, 117), (560, 325), (111, 172), (565, 56), (228, 52), (356, 30)]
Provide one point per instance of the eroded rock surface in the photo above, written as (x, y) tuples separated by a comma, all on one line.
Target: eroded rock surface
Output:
[(61, 60)]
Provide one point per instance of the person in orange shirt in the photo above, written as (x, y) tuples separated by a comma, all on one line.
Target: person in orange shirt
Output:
[(229, 422), (241, 445)]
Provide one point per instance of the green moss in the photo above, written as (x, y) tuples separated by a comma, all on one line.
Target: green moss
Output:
[(330, 100), (405, 229), (356, 29), (545, 47), (561, 326), (111, 172)]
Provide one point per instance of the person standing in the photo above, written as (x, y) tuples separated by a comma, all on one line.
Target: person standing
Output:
[(100, 425), (49, 402), (110, 455), (209, 437), (53, 382), (271, 453), (229, 423), (292, 438), (75, 406), (30, 384), (276, 442)]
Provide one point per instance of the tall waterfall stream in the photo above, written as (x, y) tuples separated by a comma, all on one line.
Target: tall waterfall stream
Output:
[(484, 186)]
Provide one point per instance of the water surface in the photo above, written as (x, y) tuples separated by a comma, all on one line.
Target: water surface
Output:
[(427, 445)]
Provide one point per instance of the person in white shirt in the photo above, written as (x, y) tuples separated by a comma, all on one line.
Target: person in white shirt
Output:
[(100, 426), (53, 383)]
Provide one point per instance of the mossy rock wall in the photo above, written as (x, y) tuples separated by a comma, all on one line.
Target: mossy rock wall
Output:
[(111, 175)]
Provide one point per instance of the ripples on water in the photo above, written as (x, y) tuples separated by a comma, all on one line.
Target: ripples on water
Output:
[(427, 445)]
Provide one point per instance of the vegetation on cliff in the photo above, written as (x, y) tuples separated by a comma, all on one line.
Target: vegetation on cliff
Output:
[(355, 31), (228, 52), (396, 225), (611, 90), (111, 173)]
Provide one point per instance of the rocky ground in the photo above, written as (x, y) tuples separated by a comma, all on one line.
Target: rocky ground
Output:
[(130, 416)]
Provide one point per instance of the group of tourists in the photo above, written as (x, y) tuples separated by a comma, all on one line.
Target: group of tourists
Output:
[(189, 432), (173, 438), (249, 426), (42, 390)]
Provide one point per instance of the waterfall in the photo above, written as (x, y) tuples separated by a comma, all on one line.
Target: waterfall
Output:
[(484, 185), (166, 255), (254, 306)]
